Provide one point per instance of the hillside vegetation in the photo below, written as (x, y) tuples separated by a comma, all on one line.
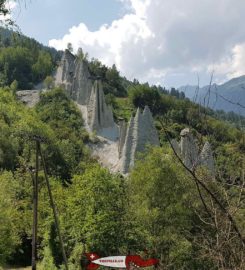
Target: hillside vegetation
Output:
[(159, 210)]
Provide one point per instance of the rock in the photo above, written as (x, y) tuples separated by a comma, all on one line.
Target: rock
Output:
[(140, 133), (29, 97), (124, 163), (189, 149), (65, 72), (82, 85), (99, 114), (122, 136), (207, 159), (73, 74), (176, 147), (151, 137)]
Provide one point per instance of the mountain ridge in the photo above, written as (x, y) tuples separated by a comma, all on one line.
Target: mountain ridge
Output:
[(229, 96)]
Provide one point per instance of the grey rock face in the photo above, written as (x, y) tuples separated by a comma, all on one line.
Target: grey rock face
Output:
[(176, 147), (99, 114), (73, 75), (207, 159), (140, 133), (151, 137), (29, 97), (122, 136), (188, 151), (124, 163), (65, 71)]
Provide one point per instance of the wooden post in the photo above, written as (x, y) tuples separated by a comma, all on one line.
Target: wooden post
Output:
[(53, 207), (35, 209)]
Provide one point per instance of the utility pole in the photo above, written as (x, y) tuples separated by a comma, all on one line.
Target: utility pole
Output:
[(39, 153), (35, 210), (56, 220)]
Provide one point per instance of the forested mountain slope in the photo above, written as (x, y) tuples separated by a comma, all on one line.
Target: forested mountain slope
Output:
[(24, 61), (186, 219)]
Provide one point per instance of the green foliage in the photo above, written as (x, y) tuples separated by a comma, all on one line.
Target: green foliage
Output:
[(47, 262), (142, 95), (111, 79), (15, 214), (14, 86), (65, 120), (18, 125), (63, 133), (15, 64), (49, 82), (43, 66), (9, 218), (96, 211), (18, 63), (122, 109), (24, 60), (157, 208), (157, 213), (160, 192)]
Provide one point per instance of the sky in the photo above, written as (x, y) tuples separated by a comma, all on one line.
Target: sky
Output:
[(166, 42)]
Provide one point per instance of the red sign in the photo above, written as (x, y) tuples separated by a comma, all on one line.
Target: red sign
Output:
[(118, 261)]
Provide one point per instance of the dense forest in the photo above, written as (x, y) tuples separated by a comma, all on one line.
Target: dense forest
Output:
[(188, 220)]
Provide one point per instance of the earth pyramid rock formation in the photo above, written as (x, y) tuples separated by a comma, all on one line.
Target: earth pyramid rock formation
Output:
[(73, 74), (206, 158), (99, 114), (140, 133), (119, 144), (148, 124), (188, 151), (189, 148), (122, 136)]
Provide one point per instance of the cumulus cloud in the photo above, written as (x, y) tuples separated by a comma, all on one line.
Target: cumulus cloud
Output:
[(233, 65), (161, 40)]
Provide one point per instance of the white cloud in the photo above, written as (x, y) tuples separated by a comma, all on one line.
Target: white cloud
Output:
[(159, 37), (233, 65)]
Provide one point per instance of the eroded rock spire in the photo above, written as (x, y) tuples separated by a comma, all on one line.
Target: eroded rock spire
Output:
[(140, 133), (100, 116), (73, 75), (206, 158), (189, 148), (188, 151)]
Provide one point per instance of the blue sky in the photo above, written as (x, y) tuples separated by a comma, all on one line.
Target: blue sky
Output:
[(166, 42), (48, 19)]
